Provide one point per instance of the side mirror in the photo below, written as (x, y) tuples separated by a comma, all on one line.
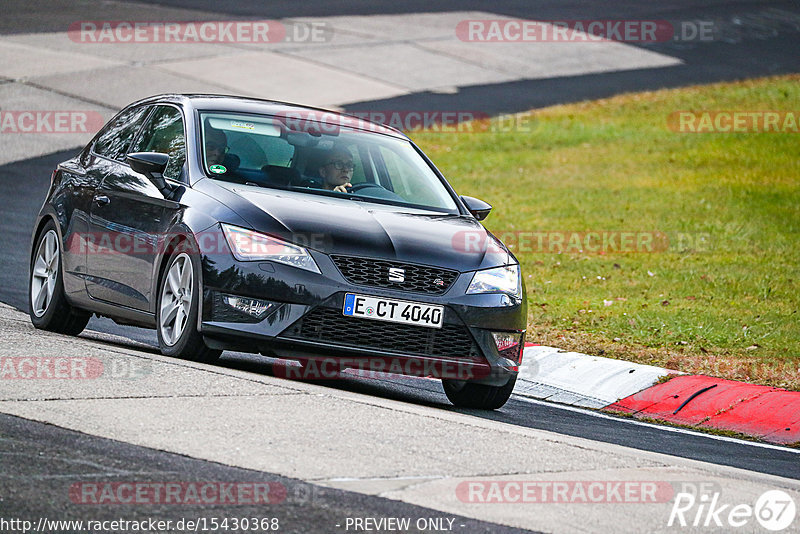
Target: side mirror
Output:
[(477, 207), (152, 165)]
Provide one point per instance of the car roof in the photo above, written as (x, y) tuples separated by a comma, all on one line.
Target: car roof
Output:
[(239, 104)]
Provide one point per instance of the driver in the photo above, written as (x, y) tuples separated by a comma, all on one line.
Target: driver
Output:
[(337, 170)]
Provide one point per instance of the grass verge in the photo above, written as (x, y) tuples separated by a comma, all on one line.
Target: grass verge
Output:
[(717, 294)]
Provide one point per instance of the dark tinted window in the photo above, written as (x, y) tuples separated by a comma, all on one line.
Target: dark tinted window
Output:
[(116, 137), (163, 133)]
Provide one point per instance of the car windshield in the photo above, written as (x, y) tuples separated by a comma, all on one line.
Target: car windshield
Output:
[(319, 158)]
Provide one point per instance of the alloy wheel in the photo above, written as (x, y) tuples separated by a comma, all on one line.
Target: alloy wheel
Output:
[(176, 299), (45, 273)]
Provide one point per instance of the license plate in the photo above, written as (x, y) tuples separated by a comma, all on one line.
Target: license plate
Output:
[(395, 311)]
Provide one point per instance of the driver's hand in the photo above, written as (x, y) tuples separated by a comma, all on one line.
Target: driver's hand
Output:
[(343, 188)]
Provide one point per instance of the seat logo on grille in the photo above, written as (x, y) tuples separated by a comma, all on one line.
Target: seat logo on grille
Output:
[(396, 274)]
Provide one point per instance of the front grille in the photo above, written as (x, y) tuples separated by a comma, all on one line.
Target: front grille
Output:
[(330, 326), (375, 273)]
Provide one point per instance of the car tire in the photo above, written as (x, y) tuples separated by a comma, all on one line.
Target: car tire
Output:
[(47, 304), (465, 394), (176, 312)]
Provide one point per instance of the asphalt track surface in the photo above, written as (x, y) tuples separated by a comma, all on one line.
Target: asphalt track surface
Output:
[(45, 461), (23, 184), (753, 39)]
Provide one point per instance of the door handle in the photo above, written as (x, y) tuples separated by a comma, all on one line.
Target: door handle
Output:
[(101, 200)]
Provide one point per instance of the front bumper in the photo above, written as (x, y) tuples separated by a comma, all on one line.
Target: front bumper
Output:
[(307, 323)]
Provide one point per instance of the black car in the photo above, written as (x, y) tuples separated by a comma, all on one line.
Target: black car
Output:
[(298, 233)]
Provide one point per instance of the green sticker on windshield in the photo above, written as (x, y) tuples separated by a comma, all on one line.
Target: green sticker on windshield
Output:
[(218, 169)]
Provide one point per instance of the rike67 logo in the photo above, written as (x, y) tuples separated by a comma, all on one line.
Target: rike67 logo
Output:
[(774, 510)]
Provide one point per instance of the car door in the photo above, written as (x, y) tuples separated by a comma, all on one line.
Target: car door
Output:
[(130, 217), (106, 154)]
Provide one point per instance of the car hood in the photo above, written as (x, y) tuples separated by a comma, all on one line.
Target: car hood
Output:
[(344, 226)]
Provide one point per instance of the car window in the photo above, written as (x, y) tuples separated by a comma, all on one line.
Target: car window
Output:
[(116, 137), (272, 151), (405, 179), (163, 132), (249, 145), (359, 176), (315, 157)]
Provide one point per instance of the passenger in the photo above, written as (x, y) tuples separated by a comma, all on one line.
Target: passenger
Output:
[(216, 146), (337, 170)]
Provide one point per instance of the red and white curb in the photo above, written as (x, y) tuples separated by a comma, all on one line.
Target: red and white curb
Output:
[(576, 379)]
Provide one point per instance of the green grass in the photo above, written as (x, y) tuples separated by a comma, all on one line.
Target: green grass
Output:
[(727, 305)]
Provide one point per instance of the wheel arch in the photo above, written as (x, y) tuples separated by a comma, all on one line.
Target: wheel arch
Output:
[(37, 233), (177, 236)]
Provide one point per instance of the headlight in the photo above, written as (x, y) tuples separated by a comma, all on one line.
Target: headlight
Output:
[(498, 280), (247, 245)]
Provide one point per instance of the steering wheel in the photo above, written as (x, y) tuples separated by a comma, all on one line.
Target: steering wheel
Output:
[(364, 185)]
